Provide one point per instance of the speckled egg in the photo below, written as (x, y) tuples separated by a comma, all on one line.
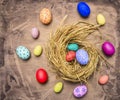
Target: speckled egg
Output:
[(35, 33), (82, 57), (100, 19), (37, 50), (23, 52), (83, 9), (73, 47), (80, 91), (45, 16)]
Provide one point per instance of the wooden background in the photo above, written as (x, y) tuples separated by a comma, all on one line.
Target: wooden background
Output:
[(17, 77)]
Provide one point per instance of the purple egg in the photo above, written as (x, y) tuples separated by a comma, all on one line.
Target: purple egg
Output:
[(108, 48), (80, 91)]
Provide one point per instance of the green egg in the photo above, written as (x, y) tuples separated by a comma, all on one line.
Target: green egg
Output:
[(73, 46)]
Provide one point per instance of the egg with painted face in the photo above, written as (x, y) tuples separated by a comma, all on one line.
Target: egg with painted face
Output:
[(80, 91), (23, 53)]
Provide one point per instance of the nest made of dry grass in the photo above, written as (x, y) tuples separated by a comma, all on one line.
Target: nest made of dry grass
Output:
[(56, 51)]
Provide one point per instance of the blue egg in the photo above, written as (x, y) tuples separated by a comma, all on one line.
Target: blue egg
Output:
[(82, 57), (83, 9), (22, 52)]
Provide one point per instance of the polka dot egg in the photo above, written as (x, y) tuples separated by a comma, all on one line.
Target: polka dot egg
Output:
[(22, 52), (80, 91)]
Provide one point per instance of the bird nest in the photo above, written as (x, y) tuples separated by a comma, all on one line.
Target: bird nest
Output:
[(56, 51)]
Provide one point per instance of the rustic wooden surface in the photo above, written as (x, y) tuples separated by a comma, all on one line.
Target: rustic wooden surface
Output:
[(17, 77)]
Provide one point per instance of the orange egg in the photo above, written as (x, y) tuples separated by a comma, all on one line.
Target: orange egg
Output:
[(103, 79), (45, 16)]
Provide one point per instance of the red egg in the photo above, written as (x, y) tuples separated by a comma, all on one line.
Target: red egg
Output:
[(41, 76), (70, 56)]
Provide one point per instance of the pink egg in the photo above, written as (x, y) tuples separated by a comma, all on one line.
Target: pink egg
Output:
[(35, 33), (103, 79)]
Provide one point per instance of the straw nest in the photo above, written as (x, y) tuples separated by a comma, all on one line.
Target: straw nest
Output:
[(56, 51)]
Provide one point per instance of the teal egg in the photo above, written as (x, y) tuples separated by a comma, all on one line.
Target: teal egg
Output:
[(22, 52), (73, 46)]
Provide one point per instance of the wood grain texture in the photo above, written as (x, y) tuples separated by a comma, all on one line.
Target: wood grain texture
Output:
[(17, 77)]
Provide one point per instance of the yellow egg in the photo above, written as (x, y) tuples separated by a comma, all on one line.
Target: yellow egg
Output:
[(37, 50), (100, 19)]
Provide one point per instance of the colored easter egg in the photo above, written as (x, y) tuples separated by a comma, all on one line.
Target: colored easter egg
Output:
[(83, 9), (35, 33), (73, 47), (37, 50), (80, 91), (45, 16), (58, 87), (108, 48), (103, 79), (100, 19), (70, 56), (22, 52), (41, 76), (82, 57)]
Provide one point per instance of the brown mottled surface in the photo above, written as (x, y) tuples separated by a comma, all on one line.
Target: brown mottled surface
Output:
[(17, 77)]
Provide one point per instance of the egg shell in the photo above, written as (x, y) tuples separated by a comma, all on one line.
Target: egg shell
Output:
[(108, 48), (83, 9), (37, 50), (41, 76), (73, 47), (23, 53), (82, 57), (100, 19), (70, 56), (45, 16), (80, 91), (103, 79), (58, 87), (35, 33)]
